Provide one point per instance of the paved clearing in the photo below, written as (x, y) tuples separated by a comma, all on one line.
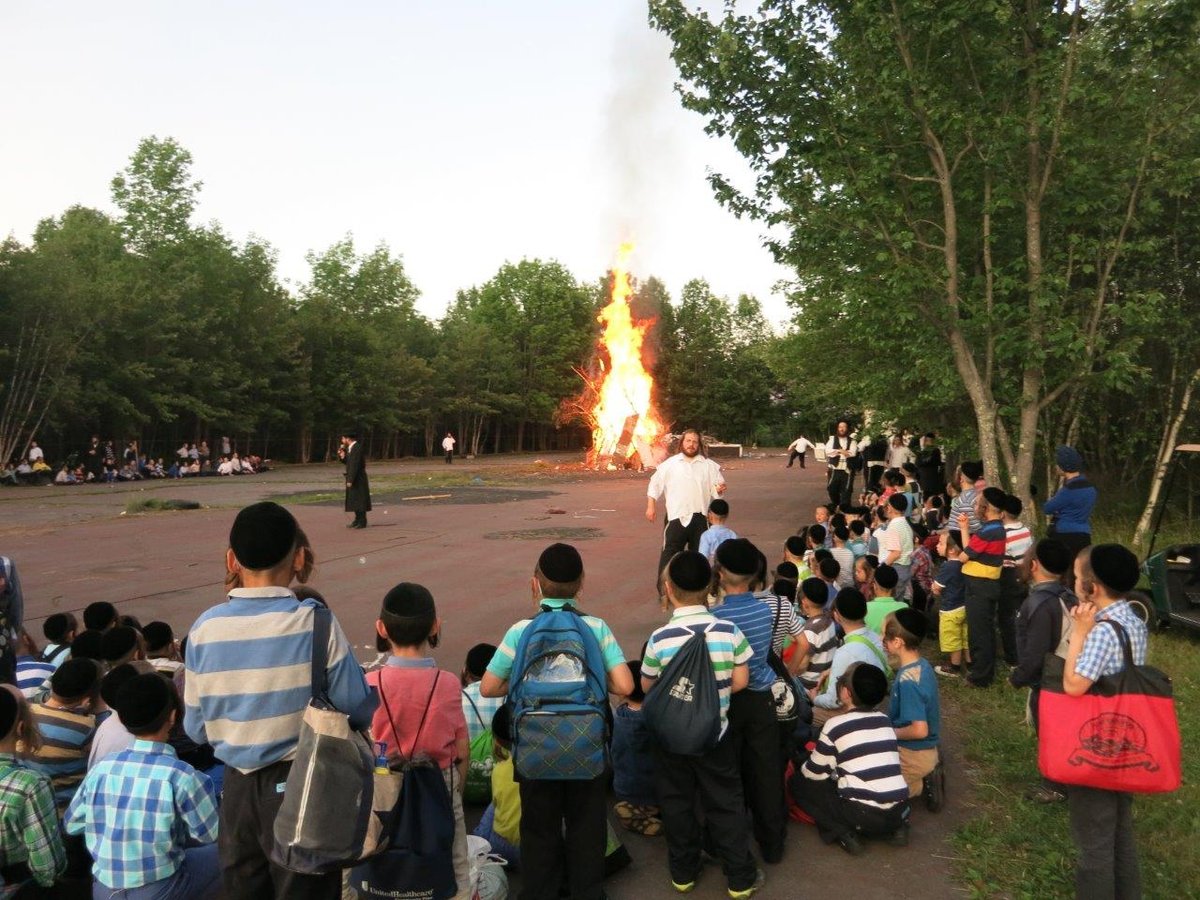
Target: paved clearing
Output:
[(476, 551)]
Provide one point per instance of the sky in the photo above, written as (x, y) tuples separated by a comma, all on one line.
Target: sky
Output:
[(462, 133)]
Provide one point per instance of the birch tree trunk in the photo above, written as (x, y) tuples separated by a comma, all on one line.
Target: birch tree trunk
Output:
[(1166, 453)]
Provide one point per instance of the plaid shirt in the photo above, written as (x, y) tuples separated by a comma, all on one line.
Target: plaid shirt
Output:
[(1102, 653), (28, 823), (137, 809)]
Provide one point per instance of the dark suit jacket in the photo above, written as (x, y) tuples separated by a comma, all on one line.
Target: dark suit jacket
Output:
[(358, 494)]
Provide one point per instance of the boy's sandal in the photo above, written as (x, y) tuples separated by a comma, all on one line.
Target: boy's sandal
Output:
[(1043, 794)]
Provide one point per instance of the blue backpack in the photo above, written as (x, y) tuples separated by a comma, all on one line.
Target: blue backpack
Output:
[(558, 700)]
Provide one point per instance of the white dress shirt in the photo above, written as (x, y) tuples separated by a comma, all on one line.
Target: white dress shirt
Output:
[(690, 484)]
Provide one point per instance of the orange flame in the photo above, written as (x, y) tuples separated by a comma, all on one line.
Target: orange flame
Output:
[(623, 388)]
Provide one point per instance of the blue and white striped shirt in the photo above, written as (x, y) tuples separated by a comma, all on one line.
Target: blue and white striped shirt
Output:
[(860, 752), (249, 681), (138, 810)]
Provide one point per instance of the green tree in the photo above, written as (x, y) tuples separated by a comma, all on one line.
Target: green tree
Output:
[(156, 193), (970, 174)]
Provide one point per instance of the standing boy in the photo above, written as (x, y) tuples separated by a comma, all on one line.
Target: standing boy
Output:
[(884, 603), (1017, 541), (951, 591), (547, 847), (246, 688), (718, 512), (983, 559), (713, 778)]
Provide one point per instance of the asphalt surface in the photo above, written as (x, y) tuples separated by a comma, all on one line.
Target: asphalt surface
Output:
[(475, 549)]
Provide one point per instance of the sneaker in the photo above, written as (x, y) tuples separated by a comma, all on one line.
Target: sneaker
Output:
[(685, 888), (851, 844), (948, 671), (759, 877), (935, 788), (899, 837)]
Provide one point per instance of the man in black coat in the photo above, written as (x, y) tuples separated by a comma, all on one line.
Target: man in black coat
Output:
[(358, 489)]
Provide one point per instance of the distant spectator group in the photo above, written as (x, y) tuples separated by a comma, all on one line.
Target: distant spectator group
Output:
[(99, 462)]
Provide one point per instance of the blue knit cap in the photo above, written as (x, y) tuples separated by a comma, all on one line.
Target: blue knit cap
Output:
[(1068, 459)]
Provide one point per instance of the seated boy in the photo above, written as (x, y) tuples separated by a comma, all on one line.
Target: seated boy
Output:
[(162, 649), (163, 843), (828, 570), (34, 671), (859, 645), (818, 637), (122, 644), (633, 763), (884, 603), (851, 784), (915, 710), (718, 512), (67, 724), (950, 589), (477, 709)]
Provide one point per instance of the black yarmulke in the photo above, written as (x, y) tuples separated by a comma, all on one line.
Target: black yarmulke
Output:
[(1115, 567), (478, 658), (114, 681), (913, 621), (898, 502), (738, 556), (973, 470), (794, 545), (117, 642), (787, 570), (408, 599), (87, 645), (995, 497), (561, 563), (815, 590), (142, 700), (9, 708), (868, 684), (262, 535), (74, 679), (690, 571), (158, 635), (851, 604), (1053, 555)]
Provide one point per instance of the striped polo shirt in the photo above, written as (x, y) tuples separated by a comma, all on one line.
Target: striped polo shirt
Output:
[(860, 752), (66, 739), (249, 677), (822, 636), (727, 648), (754, 620), (985, 551), (502, 660), (1017, 541)]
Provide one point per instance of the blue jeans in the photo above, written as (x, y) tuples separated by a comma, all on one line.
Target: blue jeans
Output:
[(903, 577), (197, 878)]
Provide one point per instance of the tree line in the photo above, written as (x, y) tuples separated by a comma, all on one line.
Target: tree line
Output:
[(145, 325)]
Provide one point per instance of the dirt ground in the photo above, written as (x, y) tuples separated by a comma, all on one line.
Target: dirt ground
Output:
[(475, 550)]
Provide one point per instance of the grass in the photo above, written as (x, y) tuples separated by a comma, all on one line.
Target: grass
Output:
[(1014, 848), (156, 504)]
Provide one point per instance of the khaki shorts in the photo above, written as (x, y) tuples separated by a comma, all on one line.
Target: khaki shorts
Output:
[(915, 765), (952, 630)]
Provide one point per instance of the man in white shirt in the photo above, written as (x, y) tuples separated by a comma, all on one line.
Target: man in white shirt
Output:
[(448, 443), (797, 449), (35, 452), (898, 454), (839, 450), (691, 481)]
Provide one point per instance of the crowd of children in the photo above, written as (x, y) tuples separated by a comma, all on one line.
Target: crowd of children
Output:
[(124, 754)]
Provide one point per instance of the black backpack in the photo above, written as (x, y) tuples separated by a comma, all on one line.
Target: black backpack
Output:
[(683, 709)]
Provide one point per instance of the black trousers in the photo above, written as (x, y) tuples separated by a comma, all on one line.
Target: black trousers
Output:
[(1012, 595), (1102, 829), (249, 805), (449, 456), (793, 456), (837, 817), (711, 784), (839, 487), (983, 600), (754, 731), (678, 536), (546, 855), (360, 517)]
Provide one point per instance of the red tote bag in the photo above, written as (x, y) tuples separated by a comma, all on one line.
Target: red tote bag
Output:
[(1122, 735)]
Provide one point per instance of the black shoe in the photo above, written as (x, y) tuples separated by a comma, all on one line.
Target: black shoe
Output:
[(899, 837), (971, 682), (851, 844), (935, 788)]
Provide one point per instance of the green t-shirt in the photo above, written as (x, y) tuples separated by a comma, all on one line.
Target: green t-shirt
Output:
[(877, 611)]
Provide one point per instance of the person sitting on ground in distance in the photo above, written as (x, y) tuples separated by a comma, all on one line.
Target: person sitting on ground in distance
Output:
[(851, 784)]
